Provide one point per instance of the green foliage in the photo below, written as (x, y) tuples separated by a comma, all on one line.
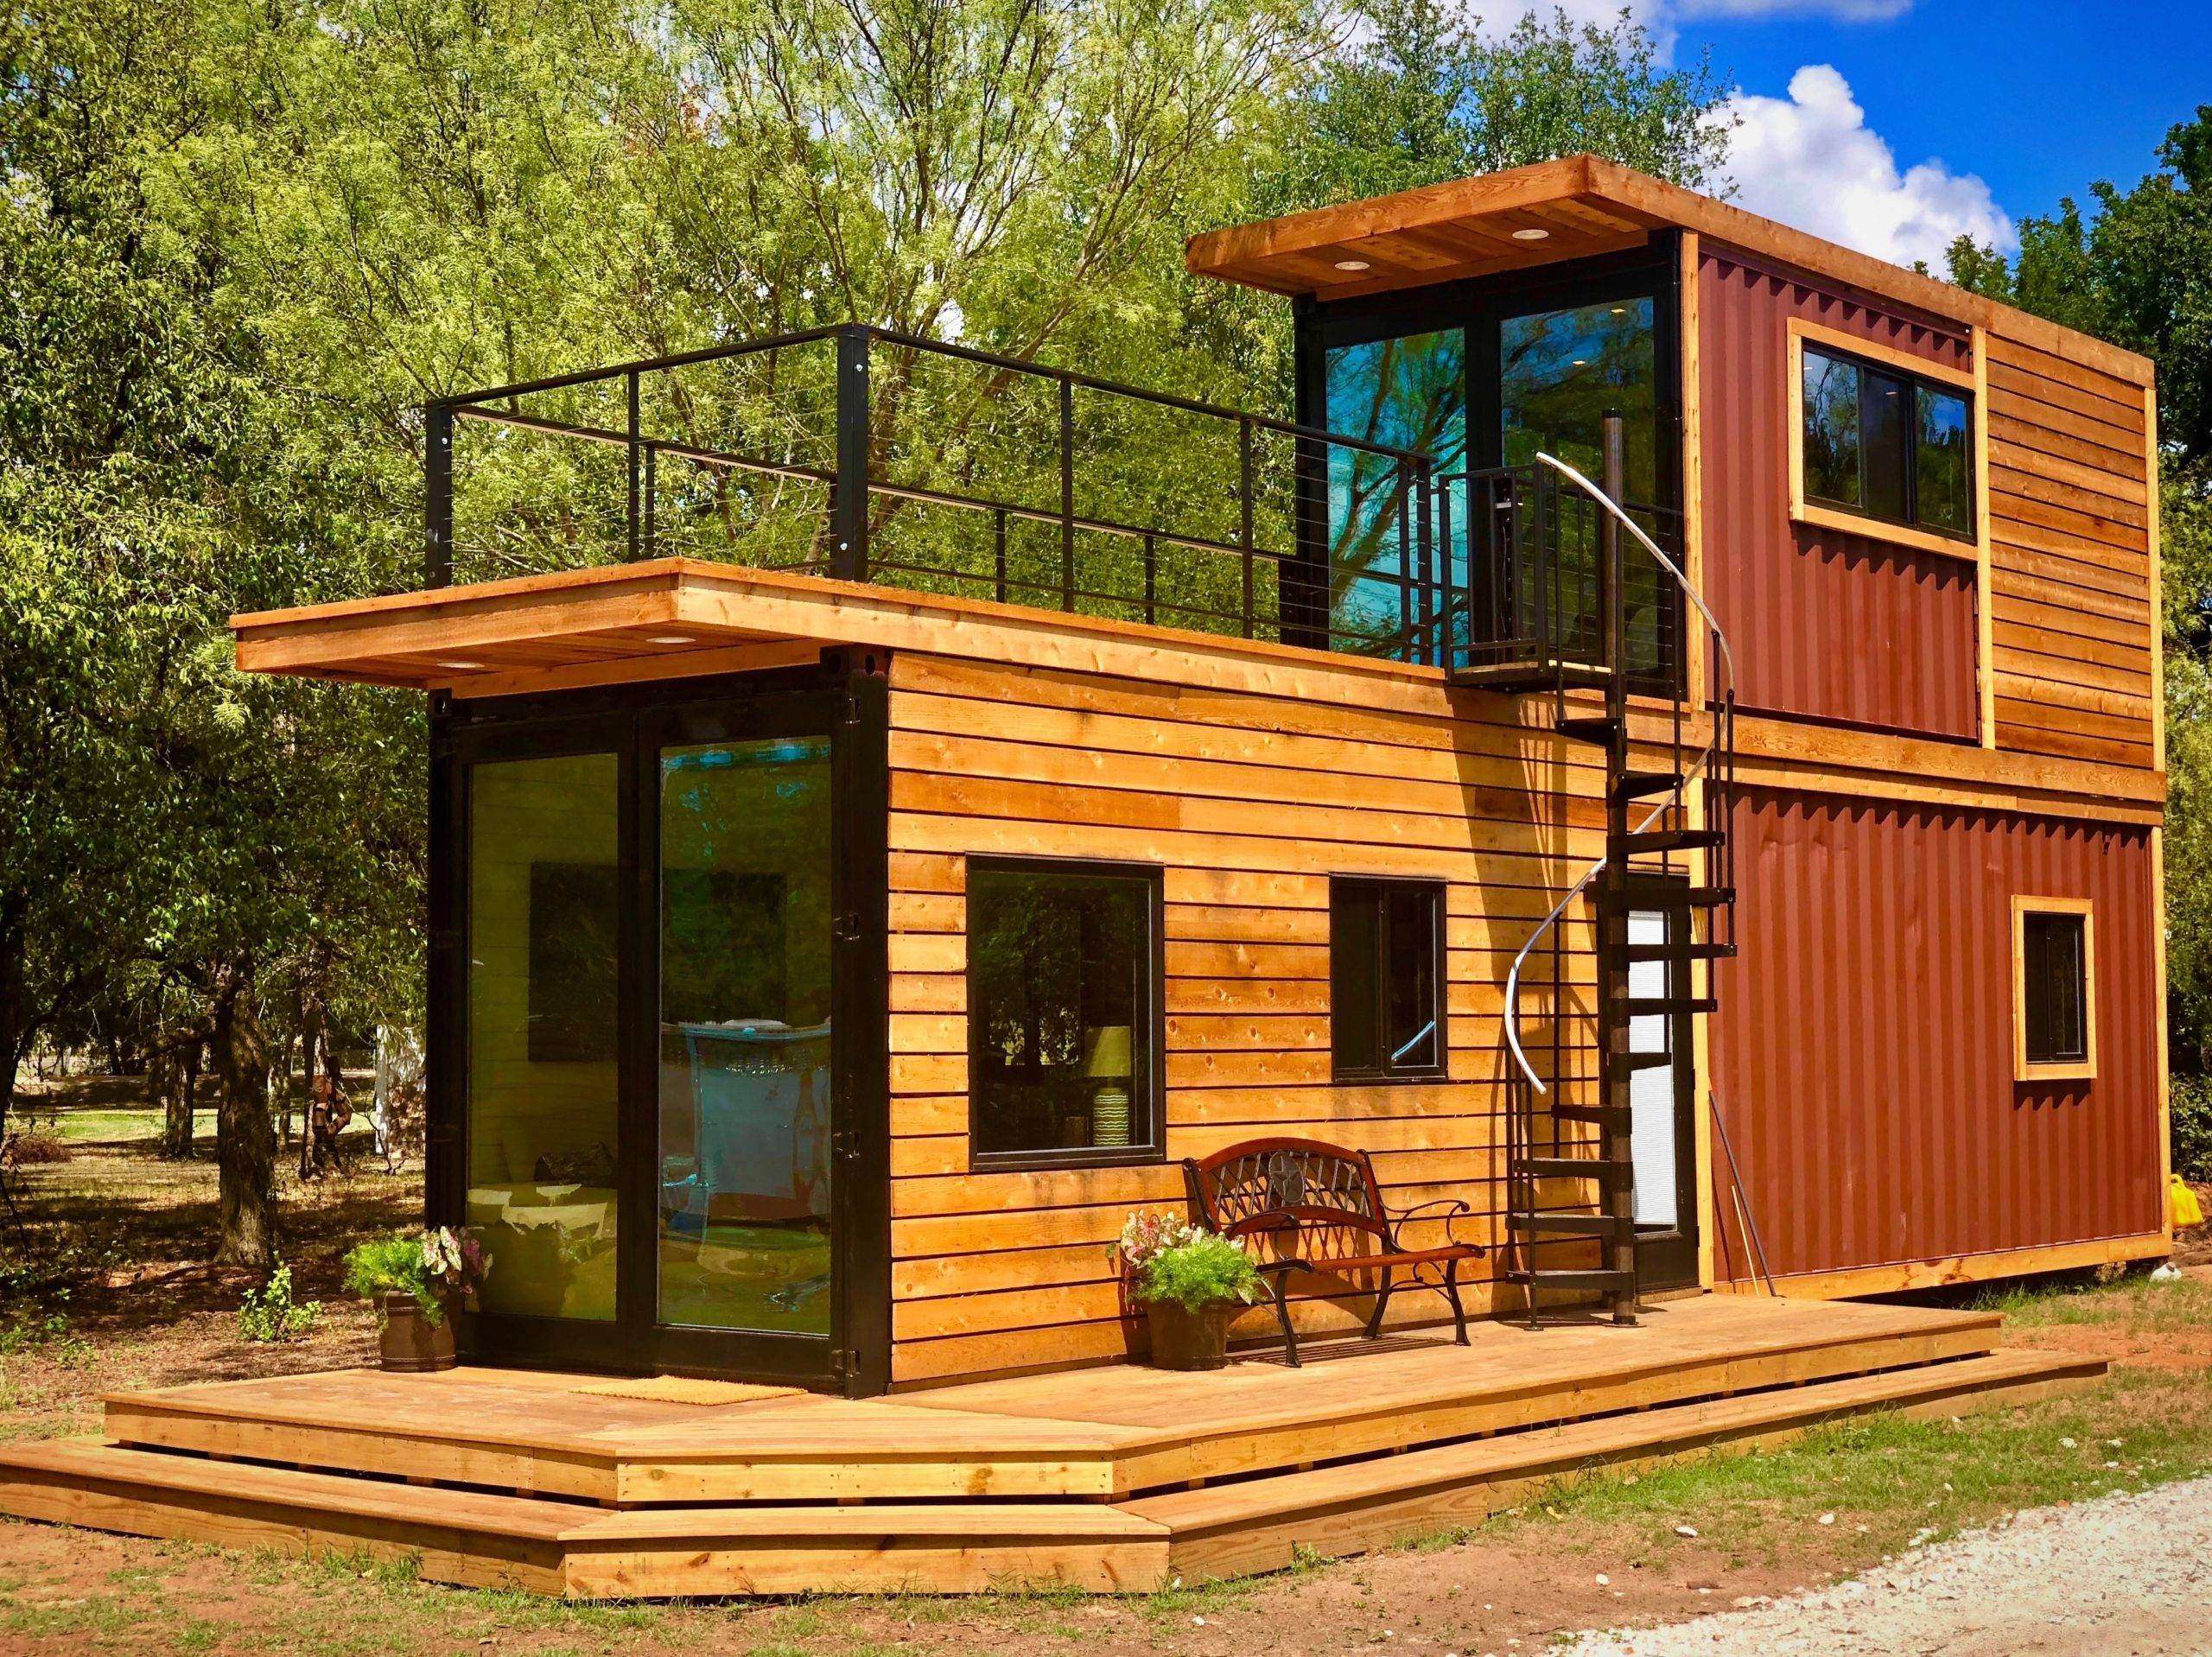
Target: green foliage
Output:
[(1426, 95), (394, 1265), (1202, 1271), (2191, 1104), (271, 1314)]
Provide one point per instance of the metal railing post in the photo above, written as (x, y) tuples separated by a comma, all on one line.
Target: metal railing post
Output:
[(998, 553), (1151, 576), (437, 495), (637, 471), (1067, 493), (848, 502), (1423, 530), (1244, 512), (653, 494)]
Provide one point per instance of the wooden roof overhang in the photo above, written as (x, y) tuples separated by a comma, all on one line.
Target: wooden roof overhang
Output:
[(678, 618), (1583, 205)]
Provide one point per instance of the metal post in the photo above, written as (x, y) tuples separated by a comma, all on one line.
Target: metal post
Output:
[(437, 495), (998, 551), (1067, 493), (1151, 576), (1244, 528), (637, 469), (652, 493), (1424, 506), (1620, 1201), (848, 500)]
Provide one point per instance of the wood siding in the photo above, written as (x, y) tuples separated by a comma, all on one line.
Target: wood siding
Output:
[(1249, 802), (1862, 1054), (1826, 625), (2073, 605)]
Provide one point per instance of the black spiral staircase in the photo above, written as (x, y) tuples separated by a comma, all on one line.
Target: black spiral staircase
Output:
[(1582, 603)]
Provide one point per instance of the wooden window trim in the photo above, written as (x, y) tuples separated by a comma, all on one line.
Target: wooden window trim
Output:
[(1152, 1146), (1818, 515), (1388, 1076), (2084, 1070)]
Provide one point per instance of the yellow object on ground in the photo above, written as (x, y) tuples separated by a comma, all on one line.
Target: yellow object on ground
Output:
[(2181, 1206)]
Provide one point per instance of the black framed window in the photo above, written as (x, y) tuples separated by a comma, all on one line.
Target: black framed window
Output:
[(1065, 968), (1386, 980), (2055, 989), (1886, 444)]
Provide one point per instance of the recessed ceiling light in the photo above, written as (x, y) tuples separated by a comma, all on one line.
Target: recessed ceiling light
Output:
[(1620, 310), (461, 666), (1351, 265), (1531, 234), (670, 638)]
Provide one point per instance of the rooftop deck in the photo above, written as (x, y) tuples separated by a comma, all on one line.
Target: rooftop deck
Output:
[(1112, 1480)]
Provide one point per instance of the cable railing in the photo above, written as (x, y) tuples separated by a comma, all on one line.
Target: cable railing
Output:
[(864, 454)]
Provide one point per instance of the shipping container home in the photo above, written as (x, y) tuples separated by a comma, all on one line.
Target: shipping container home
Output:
[(1657, 743)]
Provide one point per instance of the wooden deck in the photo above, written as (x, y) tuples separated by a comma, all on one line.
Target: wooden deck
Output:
[(1109, 1479)]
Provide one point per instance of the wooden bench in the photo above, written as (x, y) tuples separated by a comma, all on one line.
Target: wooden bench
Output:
[(1304, 1205)]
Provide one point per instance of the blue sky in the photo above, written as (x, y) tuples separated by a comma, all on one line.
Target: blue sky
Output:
[(1893, 124)]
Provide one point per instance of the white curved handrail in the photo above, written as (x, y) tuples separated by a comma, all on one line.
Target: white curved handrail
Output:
[(1695, 768)]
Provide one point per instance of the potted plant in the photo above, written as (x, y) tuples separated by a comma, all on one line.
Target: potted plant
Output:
[(418, 1282), (1190, 1282)]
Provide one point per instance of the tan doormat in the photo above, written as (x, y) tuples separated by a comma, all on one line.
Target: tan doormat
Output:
[(682, 1389)]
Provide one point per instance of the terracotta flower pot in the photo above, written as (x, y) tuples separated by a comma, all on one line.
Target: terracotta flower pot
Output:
[(409, 1341), (1184, 1339)]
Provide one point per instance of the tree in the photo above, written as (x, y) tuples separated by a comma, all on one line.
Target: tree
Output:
[(1425, 96)]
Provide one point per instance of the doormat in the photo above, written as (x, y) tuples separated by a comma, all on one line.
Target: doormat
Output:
[(682, 1389)]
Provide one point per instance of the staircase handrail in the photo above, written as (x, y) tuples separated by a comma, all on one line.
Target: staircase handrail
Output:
[(1694, 769)]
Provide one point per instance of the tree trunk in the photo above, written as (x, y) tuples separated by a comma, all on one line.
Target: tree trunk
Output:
[(176, 1137), (245, 1141)]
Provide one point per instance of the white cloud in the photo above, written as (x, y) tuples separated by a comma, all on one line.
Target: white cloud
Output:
[(1663, 19), (1810, 159)]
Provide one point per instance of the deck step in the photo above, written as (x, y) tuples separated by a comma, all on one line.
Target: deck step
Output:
[(1258, 1524), (477, 1539)]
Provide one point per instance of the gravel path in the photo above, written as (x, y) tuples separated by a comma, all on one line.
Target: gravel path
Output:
[(2129, 1574)]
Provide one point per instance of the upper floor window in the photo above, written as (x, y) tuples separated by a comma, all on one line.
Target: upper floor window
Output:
[(1880, 441), (2053, 983)]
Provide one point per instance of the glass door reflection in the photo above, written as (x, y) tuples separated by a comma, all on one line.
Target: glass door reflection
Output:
[(744, 1051)]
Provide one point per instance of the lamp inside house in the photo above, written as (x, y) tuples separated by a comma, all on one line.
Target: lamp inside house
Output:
[(1109, 1065)]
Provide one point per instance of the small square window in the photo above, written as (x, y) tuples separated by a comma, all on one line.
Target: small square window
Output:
[(1064, 999), (1386, 1001), (2054, 983)]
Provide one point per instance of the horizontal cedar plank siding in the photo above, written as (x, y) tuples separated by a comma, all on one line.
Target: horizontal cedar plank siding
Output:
[(1824, 625), (1247, 802), (2069, 558), (1862, 1052)]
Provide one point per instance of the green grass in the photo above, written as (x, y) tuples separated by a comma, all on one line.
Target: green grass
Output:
[(2135, 1303)]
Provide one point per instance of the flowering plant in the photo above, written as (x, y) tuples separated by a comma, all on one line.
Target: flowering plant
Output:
[(430, 1267), (1165, 1258), (1146, 1234), (454, 1262)]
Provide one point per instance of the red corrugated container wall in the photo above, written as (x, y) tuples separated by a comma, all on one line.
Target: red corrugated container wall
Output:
[(1825, 626), (1862, 1054)]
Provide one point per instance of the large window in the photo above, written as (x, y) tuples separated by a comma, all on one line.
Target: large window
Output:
[(1063, 976), (1878, 441), (2053, 983), (1386, 993)]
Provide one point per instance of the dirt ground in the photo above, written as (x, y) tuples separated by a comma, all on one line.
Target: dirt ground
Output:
[(142, 1308)]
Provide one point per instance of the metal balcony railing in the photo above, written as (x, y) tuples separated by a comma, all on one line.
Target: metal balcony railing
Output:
[(867, 455)]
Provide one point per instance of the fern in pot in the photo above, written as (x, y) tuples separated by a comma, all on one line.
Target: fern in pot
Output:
[(418, 1283), (1190, 1282)]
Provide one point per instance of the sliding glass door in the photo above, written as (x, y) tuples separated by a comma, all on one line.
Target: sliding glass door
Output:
[(658, 1129)]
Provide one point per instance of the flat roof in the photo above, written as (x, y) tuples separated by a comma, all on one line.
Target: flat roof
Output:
[(1583, 205)]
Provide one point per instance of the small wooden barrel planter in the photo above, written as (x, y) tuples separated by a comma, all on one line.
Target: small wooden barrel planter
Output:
[(1185, 1339), (407, 1341)]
